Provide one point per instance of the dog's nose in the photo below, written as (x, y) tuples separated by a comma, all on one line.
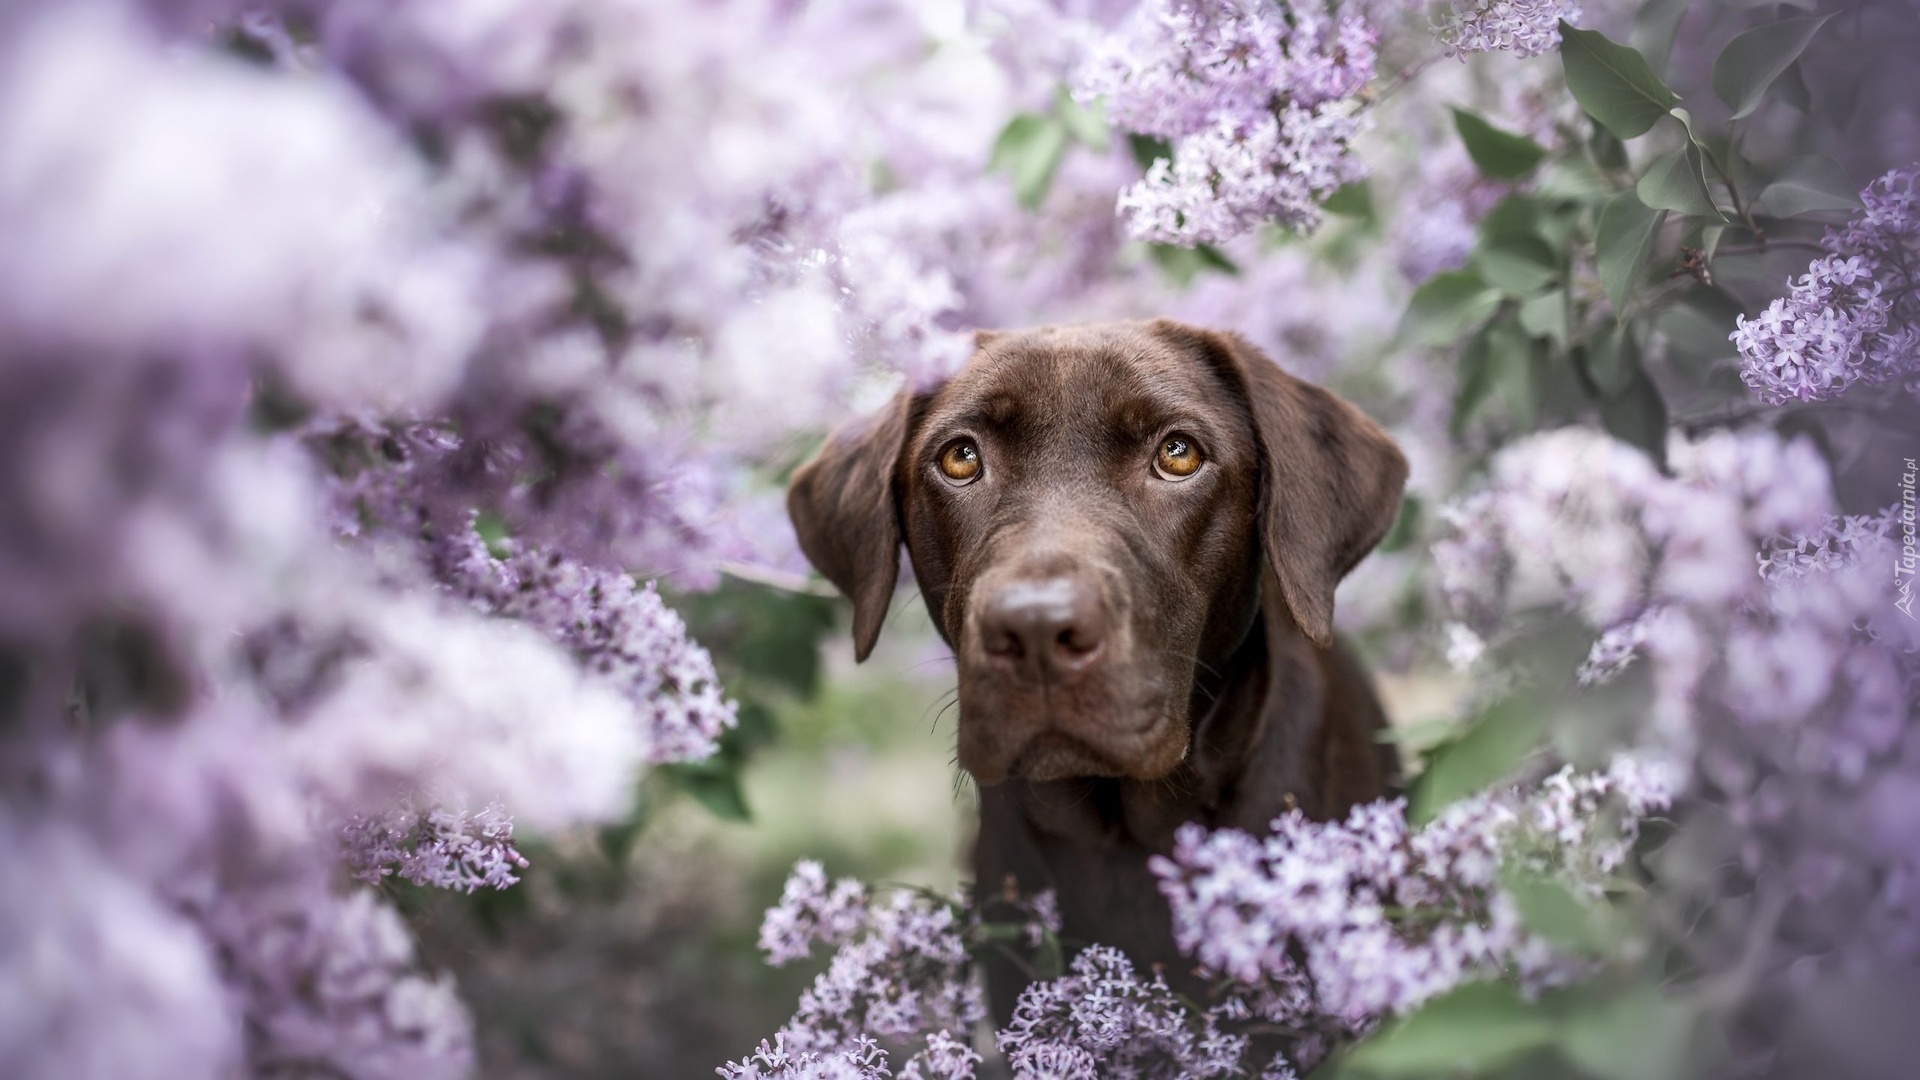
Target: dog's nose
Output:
[(1051, 627)]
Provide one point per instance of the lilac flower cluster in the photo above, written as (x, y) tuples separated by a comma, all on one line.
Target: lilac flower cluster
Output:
[(1385, 916), (1854, 316), (1102, 1020), (1257, 98), (335, 990), (1836, 543), (902, 970), (440, 848), (1781, 691), (391, 275), (619, 631), (812, 912), (1522, 27)]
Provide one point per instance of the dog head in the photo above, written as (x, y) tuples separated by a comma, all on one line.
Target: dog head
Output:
[(1087, 510)]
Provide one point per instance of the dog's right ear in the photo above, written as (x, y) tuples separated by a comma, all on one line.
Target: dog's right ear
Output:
[(847, 517)]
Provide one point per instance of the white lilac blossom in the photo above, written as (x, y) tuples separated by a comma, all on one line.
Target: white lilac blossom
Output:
[(1522, 27), (1386, 916), (1256, 98), (1854, 316)]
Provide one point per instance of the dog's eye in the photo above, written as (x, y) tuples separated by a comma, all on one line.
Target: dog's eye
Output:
[(960, 462), (1177, 459)]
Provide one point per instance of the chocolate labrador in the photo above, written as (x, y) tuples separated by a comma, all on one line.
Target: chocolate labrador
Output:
[(1130, 536)]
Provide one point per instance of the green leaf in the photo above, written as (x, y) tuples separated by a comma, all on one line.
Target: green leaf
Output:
[(1086, 123), (1514, 218), (716, 787), (1678, 181), (1520, 267), (1545, 316), (1639, 1035), (1513, 358), (1612, 82), (1608, 151), (1751, 62), (1499, 154), (1029, 149), (1474, 1028), (1146, 149), (1491, 748), (1623, 243), (1793, 88), (1355, 200), (1551, 910), (1476, 382), (1406, 525), (1183, 264), (1446, 306), (1654, 27), (1612, 360), (1637, 415), (1807, 184)]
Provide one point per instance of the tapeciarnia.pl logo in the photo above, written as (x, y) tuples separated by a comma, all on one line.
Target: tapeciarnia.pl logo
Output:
[(1903, 567)]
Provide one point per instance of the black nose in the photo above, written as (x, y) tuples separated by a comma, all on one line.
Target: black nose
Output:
[(1047, 627)]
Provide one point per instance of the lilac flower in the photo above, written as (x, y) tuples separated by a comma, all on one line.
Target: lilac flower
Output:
[(1776, 693), (902, 971), (943, 1058), (331, 986), (906, 975), (1255, 97), (1102, 1020), (1854, 316), (810, 912), (621, 632), (1387, 917), (1836, 543), (774, 1061), (1522, 27), (439, 848)]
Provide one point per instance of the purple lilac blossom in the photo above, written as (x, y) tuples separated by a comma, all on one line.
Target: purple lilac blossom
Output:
[(810, 911), (440, 848), (1256, 98), (902, 970), (1781, 690), (1103, 1021), (454, 235), (1386, 916), (1522, 27), (332, 988), (1854, 316)]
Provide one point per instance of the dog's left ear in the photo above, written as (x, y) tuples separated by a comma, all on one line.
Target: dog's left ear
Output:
[(1331, 480), (845, 513)]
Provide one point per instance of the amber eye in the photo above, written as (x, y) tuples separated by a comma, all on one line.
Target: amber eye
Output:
[(1177, 459), (960, 462)]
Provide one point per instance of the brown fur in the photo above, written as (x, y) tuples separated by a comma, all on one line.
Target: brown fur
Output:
[(1134, 652)]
